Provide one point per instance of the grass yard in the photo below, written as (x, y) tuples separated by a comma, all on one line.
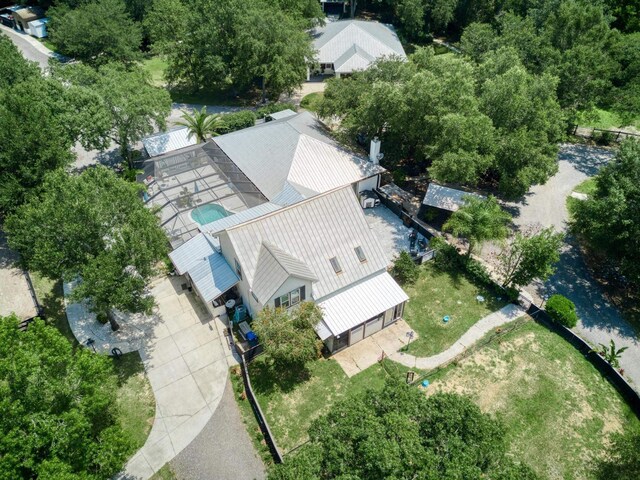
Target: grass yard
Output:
[(557, 409), (293, 402), (437, 294), (604, 119), (155, 68), (136, 403), (311, 101)]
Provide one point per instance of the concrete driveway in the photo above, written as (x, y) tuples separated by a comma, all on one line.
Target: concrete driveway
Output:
[(545, 205), (30, 48), (186, 361)]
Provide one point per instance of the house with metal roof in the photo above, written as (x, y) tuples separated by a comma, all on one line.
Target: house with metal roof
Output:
[(295, 158), (346, 46), (321, 249)]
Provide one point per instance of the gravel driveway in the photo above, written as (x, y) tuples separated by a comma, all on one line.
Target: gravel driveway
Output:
[(545, 205)]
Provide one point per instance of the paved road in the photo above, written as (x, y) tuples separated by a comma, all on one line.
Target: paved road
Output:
[(30, 50), (545, 205), (223, 450)]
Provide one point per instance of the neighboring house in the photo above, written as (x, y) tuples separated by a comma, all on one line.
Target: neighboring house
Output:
[(23, 16), (346, 46), (166, 142), (320, 249)]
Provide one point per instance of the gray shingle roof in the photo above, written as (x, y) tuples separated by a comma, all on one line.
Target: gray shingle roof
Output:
[(295, 153), (313, 231), (335, 44)]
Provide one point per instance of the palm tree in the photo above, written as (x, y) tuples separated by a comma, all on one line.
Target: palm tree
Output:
[(201, 124), (479, 220)]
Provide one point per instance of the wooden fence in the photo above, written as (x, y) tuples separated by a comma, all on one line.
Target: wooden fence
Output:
[(593, 133), (245, 359)]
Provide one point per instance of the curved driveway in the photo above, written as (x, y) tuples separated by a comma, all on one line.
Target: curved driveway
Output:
[(545, 205)]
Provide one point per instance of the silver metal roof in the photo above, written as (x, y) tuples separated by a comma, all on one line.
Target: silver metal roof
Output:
[(227, 222), (355, 44), (446, 198), (361, 302), (296, 153), (209, 271), (273, 268), (282, 114), (166, 142), (313, 231)]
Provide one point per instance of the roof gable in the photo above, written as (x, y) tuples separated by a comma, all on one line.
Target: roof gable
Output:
[(294, 158), (274, 267), (355, 42), (314, 231)]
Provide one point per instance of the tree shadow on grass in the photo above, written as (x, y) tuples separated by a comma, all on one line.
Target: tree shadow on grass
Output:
[(55, 314), (266, 377)]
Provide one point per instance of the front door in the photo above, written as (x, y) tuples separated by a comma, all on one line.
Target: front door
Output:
[(357, 334)]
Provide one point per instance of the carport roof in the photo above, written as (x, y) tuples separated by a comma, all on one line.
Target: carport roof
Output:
[(209, 271), (446, 198)]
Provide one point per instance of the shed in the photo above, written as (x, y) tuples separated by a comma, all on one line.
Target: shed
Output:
[(446, 198), (38, 28)]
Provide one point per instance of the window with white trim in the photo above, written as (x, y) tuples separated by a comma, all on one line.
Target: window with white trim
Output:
[(290, 299)]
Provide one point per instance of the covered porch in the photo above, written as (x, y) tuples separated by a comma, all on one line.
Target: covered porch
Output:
[(360, 311)]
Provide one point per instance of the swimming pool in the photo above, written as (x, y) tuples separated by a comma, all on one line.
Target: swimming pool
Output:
[(208, 213)]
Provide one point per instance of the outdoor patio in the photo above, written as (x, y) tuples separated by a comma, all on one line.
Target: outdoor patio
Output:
[(369, 351), (392, 234)]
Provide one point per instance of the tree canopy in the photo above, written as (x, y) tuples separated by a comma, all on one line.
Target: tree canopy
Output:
[(401, 433), (40, 120), (95, 226), (530, 256), (96, 32), (478, 220), (495, 124), (134, 108), (608, 219), (289, 336), (58, 408), (236, 43)]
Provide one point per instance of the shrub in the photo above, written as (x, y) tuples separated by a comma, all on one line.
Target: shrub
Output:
[(273, 108), (238, 120), (478, 272), (604, 138), (405, 269), (562, 310)]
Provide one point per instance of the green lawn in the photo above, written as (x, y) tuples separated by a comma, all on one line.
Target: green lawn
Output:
[(311, 101), (588, 187), (437, 294), (136, 403), (291, 402), (557, 409), (155, 67), (603, 119)]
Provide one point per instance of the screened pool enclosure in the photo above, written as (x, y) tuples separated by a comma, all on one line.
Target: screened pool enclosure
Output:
[(195, 186)]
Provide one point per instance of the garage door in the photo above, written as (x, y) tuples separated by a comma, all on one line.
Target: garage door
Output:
[(357, 334), (372, 326)]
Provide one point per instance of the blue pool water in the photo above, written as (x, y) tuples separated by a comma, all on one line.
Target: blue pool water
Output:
[(208, 213)]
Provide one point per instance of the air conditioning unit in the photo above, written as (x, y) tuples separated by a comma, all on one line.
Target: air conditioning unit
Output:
[(368, 199)]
